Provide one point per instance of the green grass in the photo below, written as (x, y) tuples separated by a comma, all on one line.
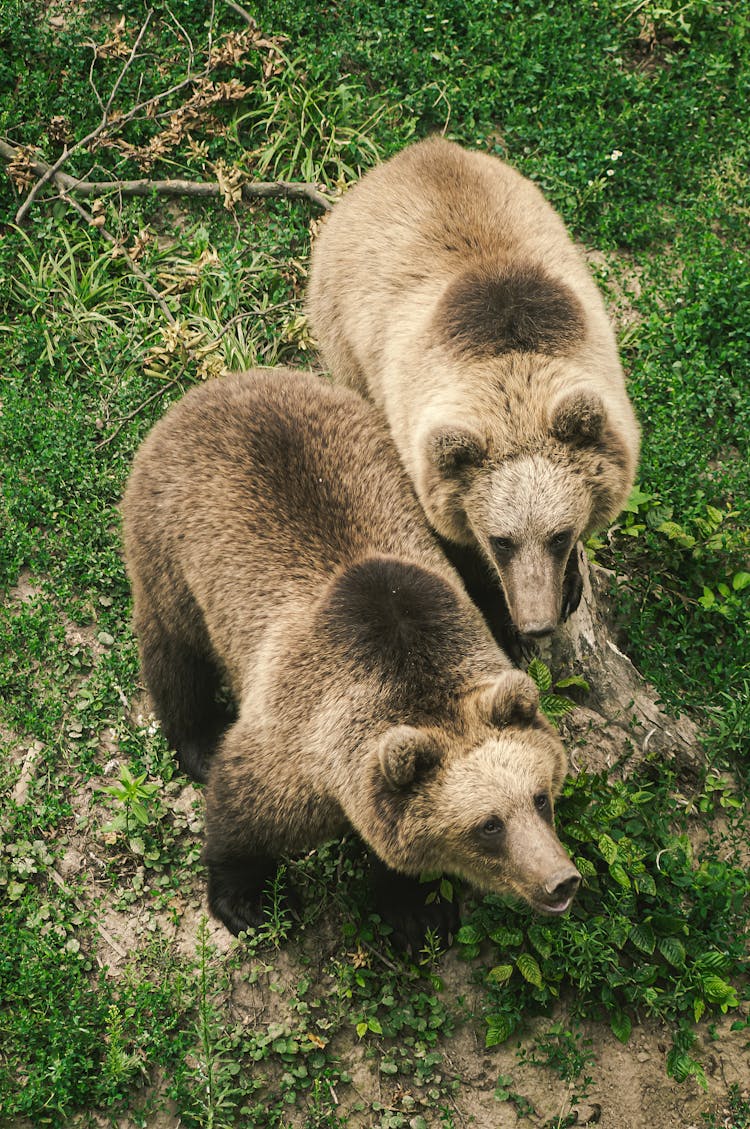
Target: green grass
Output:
[(632, 118)]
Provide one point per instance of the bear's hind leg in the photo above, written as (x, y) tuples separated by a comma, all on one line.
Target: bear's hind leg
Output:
[(184, 685)]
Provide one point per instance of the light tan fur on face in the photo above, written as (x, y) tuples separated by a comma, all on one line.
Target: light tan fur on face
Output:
[(529, 501), (391, 301), (498, 775)]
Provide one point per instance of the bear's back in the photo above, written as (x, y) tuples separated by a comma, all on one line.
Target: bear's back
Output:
[(265, 480)]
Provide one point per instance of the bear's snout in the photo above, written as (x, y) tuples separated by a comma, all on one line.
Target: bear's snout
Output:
[(562, 888)]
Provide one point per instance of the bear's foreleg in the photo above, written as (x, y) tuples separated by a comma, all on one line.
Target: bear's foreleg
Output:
[(235, 889), (412, 908), (184, 685), (258, 808)]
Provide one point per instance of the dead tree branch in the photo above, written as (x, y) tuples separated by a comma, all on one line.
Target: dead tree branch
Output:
[(52, 170), (284, 189)]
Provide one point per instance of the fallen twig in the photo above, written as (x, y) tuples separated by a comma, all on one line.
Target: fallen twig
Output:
[(285, 189), (131, 415), (52, 170), (251, 23)]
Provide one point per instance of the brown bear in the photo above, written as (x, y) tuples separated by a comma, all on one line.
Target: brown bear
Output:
[(275, 546), (445, 288)]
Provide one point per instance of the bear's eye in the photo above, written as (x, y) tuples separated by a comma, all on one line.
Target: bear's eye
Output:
[(502, 546), (560, 541), (541, 803), (492, 826)]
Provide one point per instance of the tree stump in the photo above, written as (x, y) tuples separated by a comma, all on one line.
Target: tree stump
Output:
[(622, 719)]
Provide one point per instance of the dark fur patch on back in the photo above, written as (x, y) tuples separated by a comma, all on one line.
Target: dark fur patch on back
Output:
[(515, 310), (402, 620)]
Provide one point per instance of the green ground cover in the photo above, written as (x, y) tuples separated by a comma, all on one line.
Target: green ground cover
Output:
[(632, 118)]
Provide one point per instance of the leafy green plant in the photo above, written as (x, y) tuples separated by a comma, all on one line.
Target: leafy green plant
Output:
[(215, 1091), (305, 127), (138, 802), (736, 1112), (554, 705)]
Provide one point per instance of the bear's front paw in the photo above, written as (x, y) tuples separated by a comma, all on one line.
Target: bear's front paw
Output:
[(235, 891), (413, 909), (237, 913)]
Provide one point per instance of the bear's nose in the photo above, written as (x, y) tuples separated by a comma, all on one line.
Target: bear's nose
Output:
[(537, 630), (563, 885)]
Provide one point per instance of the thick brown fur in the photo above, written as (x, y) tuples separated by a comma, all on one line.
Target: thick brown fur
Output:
[(275, 544), (445, 288)]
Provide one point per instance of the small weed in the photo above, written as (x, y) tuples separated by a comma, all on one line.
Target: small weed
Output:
[(120, 1066), (504, 1092), (566, 1052), (139, 804), (735, 1113), (555, 706), (213, 1080)]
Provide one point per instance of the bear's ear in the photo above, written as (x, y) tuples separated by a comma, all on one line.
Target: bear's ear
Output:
[(453, 449), (578, 417), (513, 697), (404, 753)]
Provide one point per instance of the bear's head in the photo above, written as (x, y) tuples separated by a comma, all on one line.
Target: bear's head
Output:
[(527, 505), (475, 798)]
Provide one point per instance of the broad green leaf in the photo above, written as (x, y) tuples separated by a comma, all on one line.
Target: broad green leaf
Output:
[(712, 961), (645, 883), (740, 580), (555, 706), (717, 991), (540, 939), (621, 1026), (586, 867), (618, 872), (361, 1029), (506, 938), (618, 933), (374, 1025), (572, 680), (668, 924), (539, 672), (642, 936), (680, 1066), (672, 950), (676, 533), (499, 1028), (529, 969), (637, 499), (500, 974), (470, 935), (642, 797), (608, 848)]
